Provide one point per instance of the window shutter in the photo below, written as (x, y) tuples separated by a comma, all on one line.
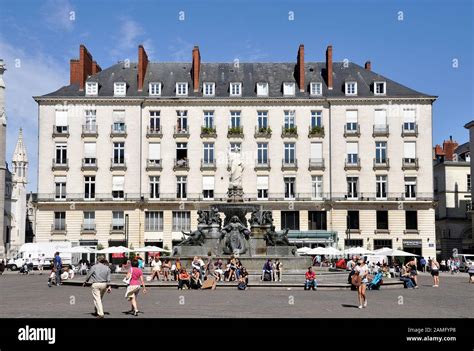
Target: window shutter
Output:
[(60, 179), (154, 151), (262, 182), (119, 116), (207, 183), (316, 150), (61, 118), (352, 148), (409, 116), (351, 116), (89, 150), (380, 117), (410, 150), (117, 183)]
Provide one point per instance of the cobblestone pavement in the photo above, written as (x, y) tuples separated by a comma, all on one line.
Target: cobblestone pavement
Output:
[(30, 297)]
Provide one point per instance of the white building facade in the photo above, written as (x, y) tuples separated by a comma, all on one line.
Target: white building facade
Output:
[(341, 155)]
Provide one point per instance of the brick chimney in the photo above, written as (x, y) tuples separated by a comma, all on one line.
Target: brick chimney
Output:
[(329, 67), (81, 69), (300, 68), (449, 146), (142, 65), (196, 69), (368, 66)]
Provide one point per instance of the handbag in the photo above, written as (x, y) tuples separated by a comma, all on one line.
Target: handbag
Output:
[(356, 280), (127, 280)]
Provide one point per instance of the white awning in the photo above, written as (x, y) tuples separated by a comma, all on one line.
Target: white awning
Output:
[(351, 116), (154, 151), (119, 116), (380, 117), (409, 149), (262, 182), (207, 183), (352, 148), (409, 116), (117, 183), (61, 118), (89, 150), (316, 150)]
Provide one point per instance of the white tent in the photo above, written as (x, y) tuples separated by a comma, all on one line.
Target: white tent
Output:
[(303, 250), (114, 249), (77, 249), (358, 251), (393, 252), (323, 251), (150, 249)]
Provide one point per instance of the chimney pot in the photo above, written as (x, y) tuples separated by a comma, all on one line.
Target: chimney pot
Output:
[(300, 68), (196, 68), (368, 66), (82, 68), (142, 66)]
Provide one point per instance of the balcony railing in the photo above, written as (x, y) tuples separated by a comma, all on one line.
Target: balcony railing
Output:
[(352, 164), (181, 132), (381, 164), (208, 165), (395, 197), (155, 132), (235, 132), (208, 132), (409, 163), (181, 165), (352, 132), (380, 130), (58, 228), (263, 165), (61, 131), (88, 228), (316, 164), (153, 165), (118, 132), (289, 132), (117, 165), (316, 132), (263, 132), (89, 130), (410, 131), (60, 165), (89, 164), (289, 165)]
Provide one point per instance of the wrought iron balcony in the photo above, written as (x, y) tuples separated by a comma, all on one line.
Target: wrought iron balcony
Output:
[(316, 132), (235, 132), (155, 132), (61, 131), (181, 165), (89, 130), (381, 164), (289, 165), (352, 132), (410, 163), (289, 132), (380, 130), (60, 165), (153, 165), (88, 228), (58, 228), (118, 132), (117, 164), (352, 164), (263, 165), (208, 165), (208, 132), (316, 164), (89, 164), (181, 132), (263, 132), (409, 129)]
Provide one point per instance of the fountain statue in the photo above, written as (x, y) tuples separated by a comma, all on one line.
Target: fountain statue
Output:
[(235, 192), (234, 237)]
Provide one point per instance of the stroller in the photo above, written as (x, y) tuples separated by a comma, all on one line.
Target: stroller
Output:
[(376, 282)]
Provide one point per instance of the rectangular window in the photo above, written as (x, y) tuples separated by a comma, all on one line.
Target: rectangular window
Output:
[(209, 119), (154, 153), (262, 120), (208, 89), (409, 152), (59, 220), (382, 220), (119, 121), (316, 119), (88, 220), (317, 220), (290, 191), (118, 220), (353, 220), (316, 152), (154, 187), (181, 89), (411, 218), (289, 119), (235, 147), (348, 243), (290, 153), (92, 88), (381, 243), (352, 153), (235, 89), (410, 187), (120, 89), (262, 187), (351, 88), (235, 119), (289, 89), (61, 121), (351, 120), (381, 186), (89, 187), (380, 152), (352, 183), (262, 89), (409, 118), (182, 154), (316, 88), (61, 153), (290, 220), (154, 89), (60, 188), (317, 187), (208, 153), (262, 153), (119, 153), (91, 120), (154, 221), (90, 153), (380, 119), (182, 122), (118, 187), (379, 88), (181, 182), (468, 182), (208, 187), (181, 221), (155, 125)]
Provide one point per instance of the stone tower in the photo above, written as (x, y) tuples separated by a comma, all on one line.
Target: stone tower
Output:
[(3, 143)]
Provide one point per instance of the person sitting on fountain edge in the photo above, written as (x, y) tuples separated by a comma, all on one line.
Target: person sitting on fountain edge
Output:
[(310, 282)]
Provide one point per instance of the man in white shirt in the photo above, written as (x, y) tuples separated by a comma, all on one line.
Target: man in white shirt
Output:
[(41, 264)]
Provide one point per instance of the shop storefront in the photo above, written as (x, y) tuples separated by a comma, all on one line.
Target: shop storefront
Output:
[(413, 245)]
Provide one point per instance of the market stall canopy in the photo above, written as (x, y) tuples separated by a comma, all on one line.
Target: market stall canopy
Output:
[(114, 249), (77, 249), (150, 249), (358, 251), (393, 252), (323, 251)]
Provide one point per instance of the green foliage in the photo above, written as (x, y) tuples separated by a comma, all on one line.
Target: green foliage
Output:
[(208, 130), (291, 130), (317, 130), (235, 130), (264, 130)]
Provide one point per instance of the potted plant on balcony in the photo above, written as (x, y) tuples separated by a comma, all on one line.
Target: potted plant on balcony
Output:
[(235, 131), (265, 131), (290, 130), (316, 130), (208, 130)]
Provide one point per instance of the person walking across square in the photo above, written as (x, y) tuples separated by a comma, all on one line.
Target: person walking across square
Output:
[(99, 274)]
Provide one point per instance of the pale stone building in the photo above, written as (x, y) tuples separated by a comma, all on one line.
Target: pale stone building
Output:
[(340, 154), (4, 231)]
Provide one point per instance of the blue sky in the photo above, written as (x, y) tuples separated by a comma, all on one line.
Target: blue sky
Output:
[(38, 38)]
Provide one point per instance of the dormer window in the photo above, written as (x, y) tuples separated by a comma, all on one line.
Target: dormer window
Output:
[(235, 89), (289, 89), (154, 89), (208, 89), (316, 88), (351, 88), (262, 89), (181, 89), (119, 89), (380, 88), (92, 88)]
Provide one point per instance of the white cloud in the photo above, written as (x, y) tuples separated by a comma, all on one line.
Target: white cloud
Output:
[(130, 35), (59, 15), (181, 50), (28, 74)]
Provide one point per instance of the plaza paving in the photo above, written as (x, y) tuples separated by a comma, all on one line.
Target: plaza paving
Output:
[(30, 297)]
